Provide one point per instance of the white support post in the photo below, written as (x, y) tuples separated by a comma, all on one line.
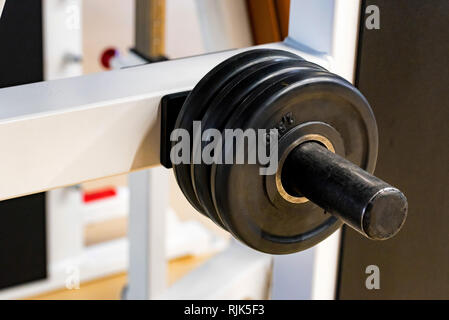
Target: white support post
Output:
[(148, 205), (63, 48)]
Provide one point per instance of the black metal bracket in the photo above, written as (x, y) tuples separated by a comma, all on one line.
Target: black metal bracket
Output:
[(171, 105)]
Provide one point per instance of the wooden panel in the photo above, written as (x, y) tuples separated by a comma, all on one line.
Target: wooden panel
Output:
[(150, 27), (264, 21), (283, 11)]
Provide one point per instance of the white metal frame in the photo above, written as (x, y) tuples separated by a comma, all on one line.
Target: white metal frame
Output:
[(66, 142), (148, 204), (64, 132)]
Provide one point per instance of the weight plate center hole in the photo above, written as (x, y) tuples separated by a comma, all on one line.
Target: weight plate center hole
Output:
[(285, 185)]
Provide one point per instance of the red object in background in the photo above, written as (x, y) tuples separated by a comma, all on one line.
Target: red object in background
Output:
[(91, 196), (107, 56)]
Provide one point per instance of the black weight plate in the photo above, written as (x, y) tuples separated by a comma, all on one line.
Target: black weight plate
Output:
[(239, 192), (224, 104), (199, 99), (255, 98), (247, 101)]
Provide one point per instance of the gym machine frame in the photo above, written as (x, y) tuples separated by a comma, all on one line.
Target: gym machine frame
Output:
[(106, 124)]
